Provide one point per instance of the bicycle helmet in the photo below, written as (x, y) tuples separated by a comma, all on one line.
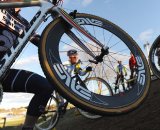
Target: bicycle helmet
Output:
[(71, 52)]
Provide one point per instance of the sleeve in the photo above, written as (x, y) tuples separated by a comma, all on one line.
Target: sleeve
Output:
[(134, 61), (124, 69), (82, 72), (117, 70)]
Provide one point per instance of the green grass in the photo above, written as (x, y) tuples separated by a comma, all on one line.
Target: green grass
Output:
[(12, 122)]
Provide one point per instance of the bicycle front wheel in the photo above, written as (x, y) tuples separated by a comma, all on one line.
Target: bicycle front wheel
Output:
[(154, 60), (56, 41)]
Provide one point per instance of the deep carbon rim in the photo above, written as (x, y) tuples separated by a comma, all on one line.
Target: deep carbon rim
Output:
[(56, 71), (153, 59)]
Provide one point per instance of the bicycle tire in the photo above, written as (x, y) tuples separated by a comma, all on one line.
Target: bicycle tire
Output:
[(108, 87), (51, 116), (88, 114), (152, 58), (49, 59)]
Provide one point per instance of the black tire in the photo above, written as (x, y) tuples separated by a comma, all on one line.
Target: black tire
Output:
[(49, 119), (51, 63), (153, 57), (88, 114)]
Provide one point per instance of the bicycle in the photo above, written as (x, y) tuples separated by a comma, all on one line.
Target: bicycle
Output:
[(126, 85), (57, 105), (101, 51), (153, 58)]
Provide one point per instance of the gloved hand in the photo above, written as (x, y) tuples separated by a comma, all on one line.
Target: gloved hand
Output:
[(89, 68)]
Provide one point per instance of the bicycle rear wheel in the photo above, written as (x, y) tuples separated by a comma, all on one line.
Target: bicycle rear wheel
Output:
[(49, 117), (56, 42), (153, 59), (99, 86)]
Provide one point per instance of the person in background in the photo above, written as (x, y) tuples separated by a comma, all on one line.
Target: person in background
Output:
[(132, 66), (73, 65), (121, 72)]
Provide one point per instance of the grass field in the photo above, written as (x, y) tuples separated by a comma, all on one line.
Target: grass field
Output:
[(15, 123), (12, 122)]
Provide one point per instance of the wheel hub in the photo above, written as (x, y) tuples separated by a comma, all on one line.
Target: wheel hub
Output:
[(99, 58)]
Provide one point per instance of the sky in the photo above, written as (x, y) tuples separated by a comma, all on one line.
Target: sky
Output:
[(139, 18)]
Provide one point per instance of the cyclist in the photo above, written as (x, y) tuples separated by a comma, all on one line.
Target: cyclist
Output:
[(25, 81), (132, 66), (73, 65), (121, 71)]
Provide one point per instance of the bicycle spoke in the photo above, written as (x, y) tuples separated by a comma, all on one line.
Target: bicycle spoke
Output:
[(111, 63), (105, 73), (110, 67), (82, 39), (79, 43), (95, 37), (109, 39), (72, 46), (108, 61), (114, 44), (117, 53), (113, 58), (104, 39)]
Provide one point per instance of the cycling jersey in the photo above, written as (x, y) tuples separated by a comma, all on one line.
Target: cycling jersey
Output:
[(120, 69), (74, 68), (132, 62)]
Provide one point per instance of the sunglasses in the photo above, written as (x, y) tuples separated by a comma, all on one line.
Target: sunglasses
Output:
[(73, 57)]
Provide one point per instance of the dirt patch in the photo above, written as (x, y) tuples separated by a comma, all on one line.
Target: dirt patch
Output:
[(146, 117)]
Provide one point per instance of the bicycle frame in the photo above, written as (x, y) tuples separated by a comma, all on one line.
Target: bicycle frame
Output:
[(46, 7)]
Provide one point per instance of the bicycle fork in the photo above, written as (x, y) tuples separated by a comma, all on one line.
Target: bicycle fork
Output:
[(70, 21)]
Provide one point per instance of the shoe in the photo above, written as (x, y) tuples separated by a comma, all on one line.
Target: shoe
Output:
[(62, 108)]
